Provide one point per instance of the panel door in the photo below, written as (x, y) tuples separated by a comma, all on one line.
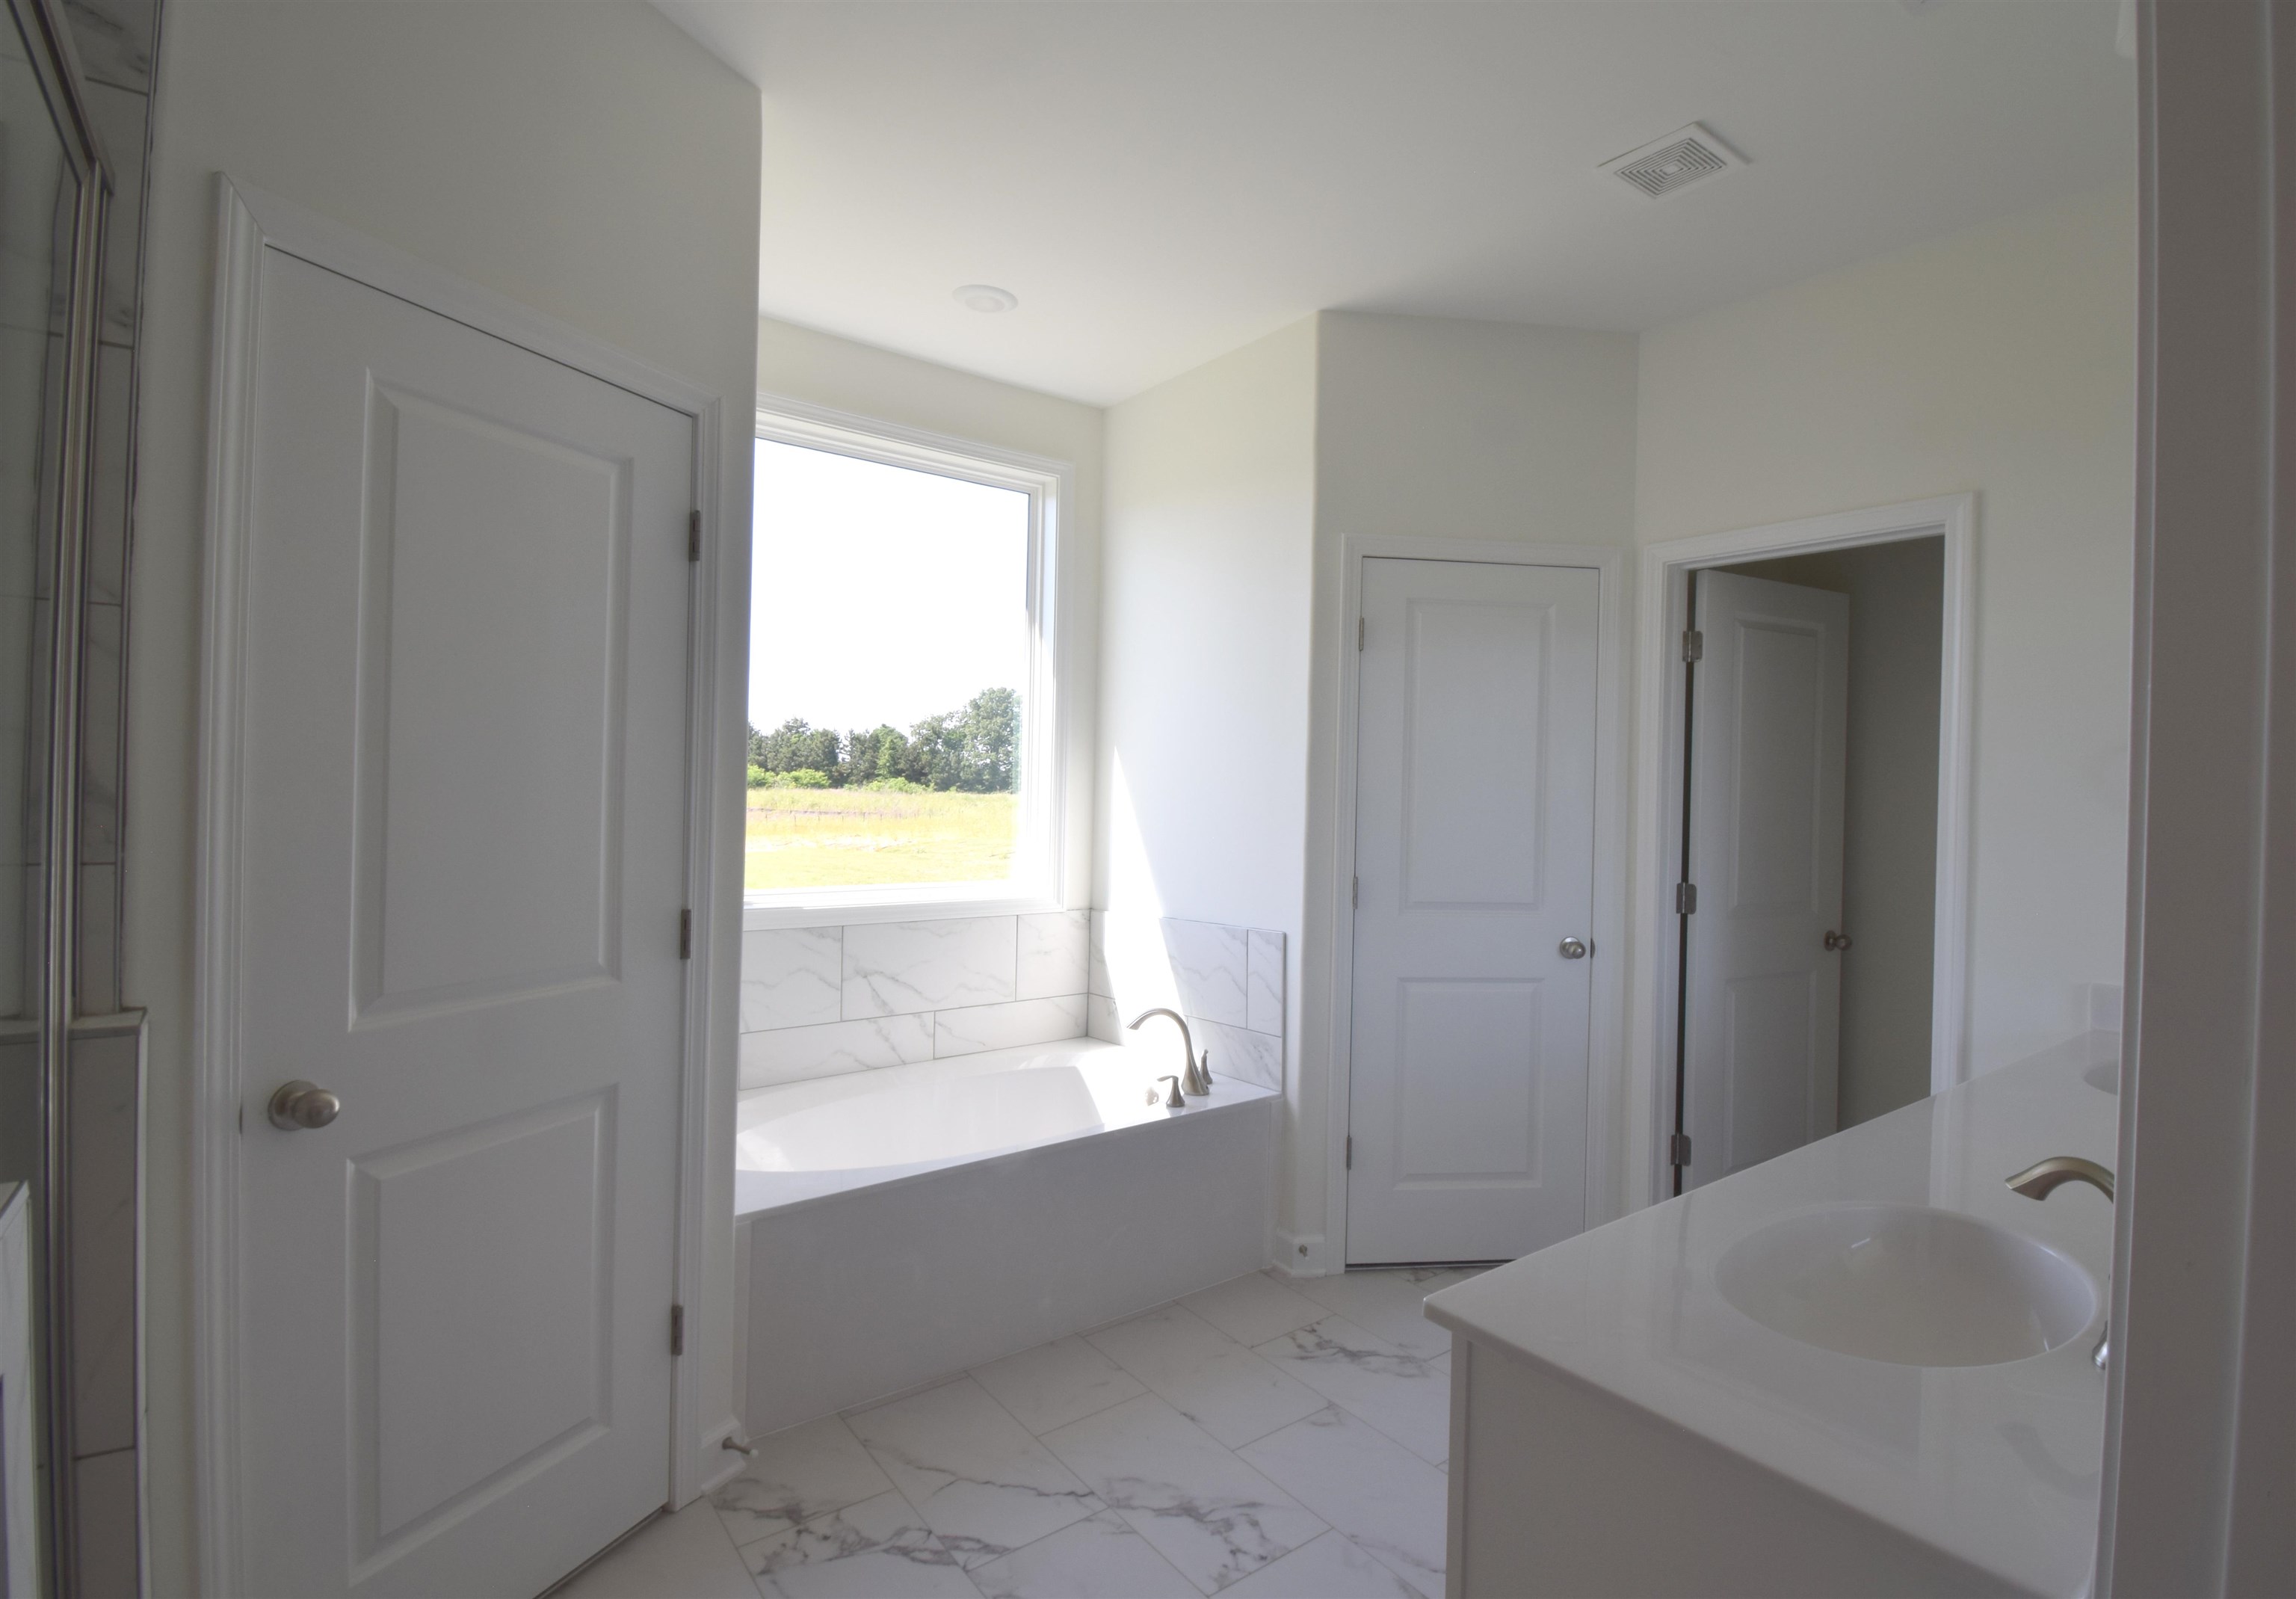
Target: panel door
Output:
[(1762, 993), (1475, 851), (463, 810)]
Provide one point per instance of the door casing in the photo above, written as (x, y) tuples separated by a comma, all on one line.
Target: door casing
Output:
[(1662, 613), (250, 222), (1607, 927)]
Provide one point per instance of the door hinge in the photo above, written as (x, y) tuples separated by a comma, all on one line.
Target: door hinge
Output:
[(1351, 1152), (1355, 893), (686, 935), (693, 535), (1694, 645), (677, 1330), (1359, 633), (1686, 899), (1678, 1150)]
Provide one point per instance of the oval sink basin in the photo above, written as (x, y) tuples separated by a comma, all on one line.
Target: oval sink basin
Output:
[(1909, 1285)]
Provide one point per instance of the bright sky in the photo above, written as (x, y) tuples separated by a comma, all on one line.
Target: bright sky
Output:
[(881, 595)]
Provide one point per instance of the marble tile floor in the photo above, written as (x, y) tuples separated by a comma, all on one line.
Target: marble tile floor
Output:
[(1263, 1439)]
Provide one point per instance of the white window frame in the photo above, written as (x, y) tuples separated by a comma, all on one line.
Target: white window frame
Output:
[(1040, 856)]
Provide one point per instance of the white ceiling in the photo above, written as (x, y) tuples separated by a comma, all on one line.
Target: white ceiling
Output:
[(1161, 181)]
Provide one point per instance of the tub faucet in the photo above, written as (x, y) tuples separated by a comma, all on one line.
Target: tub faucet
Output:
[(2038, 1181), (1196, 1081)]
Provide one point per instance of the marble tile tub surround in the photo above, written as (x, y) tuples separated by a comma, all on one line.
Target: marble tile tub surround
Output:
[(819, 1001), (1227, 981), (1251, 1439)]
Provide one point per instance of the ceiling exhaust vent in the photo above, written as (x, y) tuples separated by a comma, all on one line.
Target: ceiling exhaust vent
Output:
[(1676, 161)]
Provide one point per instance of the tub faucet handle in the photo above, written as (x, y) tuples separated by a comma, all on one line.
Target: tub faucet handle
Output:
[(1172, 1101), (1196, 1080)]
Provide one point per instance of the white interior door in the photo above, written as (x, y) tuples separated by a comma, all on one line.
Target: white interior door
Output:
[(464, 808), (1475, 862), (1762, 992)]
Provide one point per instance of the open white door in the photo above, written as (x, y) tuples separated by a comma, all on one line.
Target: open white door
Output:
[(1762, 985), (1475, 862), (462, 792)]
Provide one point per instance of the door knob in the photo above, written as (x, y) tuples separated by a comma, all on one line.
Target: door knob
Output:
[(300, 1106), (1837, 940), (1576, 949)]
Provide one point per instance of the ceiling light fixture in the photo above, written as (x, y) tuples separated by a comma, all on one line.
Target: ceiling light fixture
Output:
[(986, 298)]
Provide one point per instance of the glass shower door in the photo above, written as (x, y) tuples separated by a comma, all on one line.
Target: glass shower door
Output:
[(51, 198)]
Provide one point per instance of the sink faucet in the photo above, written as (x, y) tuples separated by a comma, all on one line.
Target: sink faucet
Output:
[(1197, 1081), (2043, 1178)]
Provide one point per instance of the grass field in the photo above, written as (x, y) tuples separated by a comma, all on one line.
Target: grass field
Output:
[(828, 838)]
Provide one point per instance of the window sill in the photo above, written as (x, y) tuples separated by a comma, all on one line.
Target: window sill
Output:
[(759, 912)]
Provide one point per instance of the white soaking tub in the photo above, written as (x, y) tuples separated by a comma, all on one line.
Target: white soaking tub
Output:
[(902, 1223)]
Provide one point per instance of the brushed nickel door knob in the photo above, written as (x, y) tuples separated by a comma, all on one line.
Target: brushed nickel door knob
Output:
[(299, 1106), (1575, 950)]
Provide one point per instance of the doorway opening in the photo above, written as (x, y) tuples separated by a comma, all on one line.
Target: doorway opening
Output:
[(1807, 917)]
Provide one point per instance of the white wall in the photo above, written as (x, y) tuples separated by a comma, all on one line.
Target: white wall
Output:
[(825, 370), (1433, 428), (1203, 733), (2001, 360), (1888, 868), (1438, 428), (589, 161)]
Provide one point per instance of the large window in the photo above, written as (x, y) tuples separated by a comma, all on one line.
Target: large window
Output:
[(903, 742)]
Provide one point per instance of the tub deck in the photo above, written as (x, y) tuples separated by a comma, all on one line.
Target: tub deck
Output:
[(1118, 1078)]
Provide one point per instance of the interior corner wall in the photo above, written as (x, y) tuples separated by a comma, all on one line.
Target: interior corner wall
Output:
[(589, 161), (2000, 360), (823, 369), (1203, 649), (1431, 427)]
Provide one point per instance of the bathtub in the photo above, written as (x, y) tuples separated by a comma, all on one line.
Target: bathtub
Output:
[(899, 1225)]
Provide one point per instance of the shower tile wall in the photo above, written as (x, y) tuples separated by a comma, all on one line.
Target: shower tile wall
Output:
[(116, 41), (818, 1001)]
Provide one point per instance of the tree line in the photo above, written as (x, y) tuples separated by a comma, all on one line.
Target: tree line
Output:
[(975, 751)]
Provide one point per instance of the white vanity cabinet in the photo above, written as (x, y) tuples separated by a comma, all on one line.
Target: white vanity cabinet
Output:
[(1561, 1489), (1692, 1399)]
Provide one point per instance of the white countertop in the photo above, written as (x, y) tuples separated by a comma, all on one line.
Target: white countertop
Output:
[(1997, 1464)]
